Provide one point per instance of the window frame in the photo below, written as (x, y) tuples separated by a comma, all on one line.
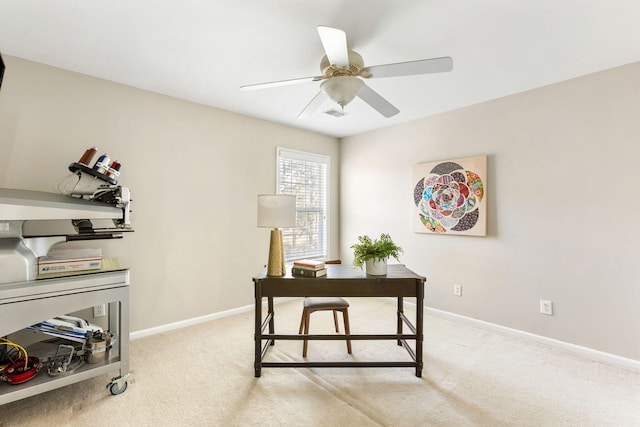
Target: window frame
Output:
[(288, 153)]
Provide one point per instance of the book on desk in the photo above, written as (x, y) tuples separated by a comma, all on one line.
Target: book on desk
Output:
[(309, 263), (307, 272)]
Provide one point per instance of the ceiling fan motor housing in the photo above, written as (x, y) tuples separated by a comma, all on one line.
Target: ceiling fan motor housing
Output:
[(356, 65)]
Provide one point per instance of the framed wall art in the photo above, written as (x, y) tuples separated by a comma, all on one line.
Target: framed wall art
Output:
[(449, 197)]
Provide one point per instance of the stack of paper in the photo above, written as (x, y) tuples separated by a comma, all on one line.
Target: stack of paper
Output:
[(66, 260)]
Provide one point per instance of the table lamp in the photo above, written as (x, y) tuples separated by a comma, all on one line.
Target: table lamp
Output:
[(276, 211)]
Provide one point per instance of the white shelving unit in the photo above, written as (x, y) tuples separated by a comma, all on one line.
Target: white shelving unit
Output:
[(26, 299)]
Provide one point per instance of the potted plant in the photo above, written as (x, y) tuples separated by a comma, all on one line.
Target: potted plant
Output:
[(374, 253)]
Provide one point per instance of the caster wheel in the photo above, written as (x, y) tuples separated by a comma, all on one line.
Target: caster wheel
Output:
[(115, 389)]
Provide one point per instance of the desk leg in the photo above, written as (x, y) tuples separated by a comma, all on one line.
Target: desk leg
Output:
[(400, 322), (419, 326), (257, 364), (272, 323)]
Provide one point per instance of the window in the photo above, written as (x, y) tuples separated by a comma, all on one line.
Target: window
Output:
[(305, 175)]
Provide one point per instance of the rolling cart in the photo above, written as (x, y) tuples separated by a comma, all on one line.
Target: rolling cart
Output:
[(28, 299)]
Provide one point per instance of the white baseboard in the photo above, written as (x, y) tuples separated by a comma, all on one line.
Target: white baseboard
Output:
[(587, 352), (194, 321)]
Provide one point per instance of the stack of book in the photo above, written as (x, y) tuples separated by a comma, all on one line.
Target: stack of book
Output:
[(309, 268)]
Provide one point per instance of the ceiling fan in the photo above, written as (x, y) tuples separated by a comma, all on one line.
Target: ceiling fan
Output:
[(343, 72)]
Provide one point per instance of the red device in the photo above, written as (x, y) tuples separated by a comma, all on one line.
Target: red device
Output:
[(17, 372)]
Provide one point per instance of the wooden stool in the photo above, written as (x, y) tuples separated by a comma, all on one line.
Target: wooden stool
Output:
[(334, 304)]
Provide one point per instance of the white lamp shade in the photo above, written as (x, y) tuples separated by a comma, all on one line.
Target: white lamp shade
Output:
[(342, 89), (276, 211)]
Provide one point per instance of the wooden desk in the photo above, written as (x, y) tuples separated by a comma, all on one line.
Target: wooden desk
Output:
[(341, 281)]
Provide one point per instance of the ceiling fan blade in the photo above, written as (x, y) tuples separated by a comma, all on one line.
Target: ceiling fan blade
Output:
[(280, 83), (313, 105), (378, 103), (334, 42), (423, 66)]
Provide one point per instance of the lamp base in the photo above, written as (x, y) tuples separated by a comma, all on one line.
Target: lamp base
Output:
[(276, 255)]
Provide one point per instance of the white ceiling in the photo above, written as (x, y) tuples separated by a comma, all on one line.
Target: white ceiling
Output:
[(204, 50)]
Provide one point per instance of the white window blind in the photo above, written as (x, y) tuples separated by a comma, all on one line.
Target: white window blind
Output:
[(305, 175)]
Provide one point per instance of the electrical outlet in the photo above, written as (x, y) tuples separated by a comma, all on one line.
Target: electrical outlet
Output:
[(99, 310), (457, 290), (546, 307)]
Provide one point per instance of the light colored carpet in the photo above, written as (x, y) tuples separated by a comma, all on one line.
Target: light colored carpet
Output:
[(203, 376)]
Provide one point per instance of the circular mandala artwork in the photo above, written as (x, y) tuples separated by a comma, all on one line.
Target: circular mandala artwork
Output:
[(448, 198)]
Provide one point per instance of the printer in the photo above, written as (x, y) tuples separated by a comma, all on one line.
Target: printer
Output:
[(94, 197)]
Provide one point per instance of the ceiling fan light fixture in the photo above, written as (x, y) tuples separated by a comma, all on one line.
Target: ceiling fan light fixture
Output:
[(342, 89)]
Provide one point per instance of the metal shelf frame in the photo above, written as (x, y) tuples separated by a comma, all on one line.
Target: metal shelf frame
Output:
[(26, 303)]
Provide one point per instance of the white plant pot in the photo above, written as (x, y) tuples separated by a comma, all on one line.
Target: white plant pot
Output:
[(376, 267)]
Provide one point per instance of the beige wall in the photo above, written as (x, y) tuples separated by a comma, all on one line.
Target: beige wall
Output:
[(194, 173), (562, 206), (561, 194)]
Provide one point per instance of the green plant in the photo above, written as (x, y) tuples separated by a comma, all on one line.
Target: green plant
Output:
[(378, 249)]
